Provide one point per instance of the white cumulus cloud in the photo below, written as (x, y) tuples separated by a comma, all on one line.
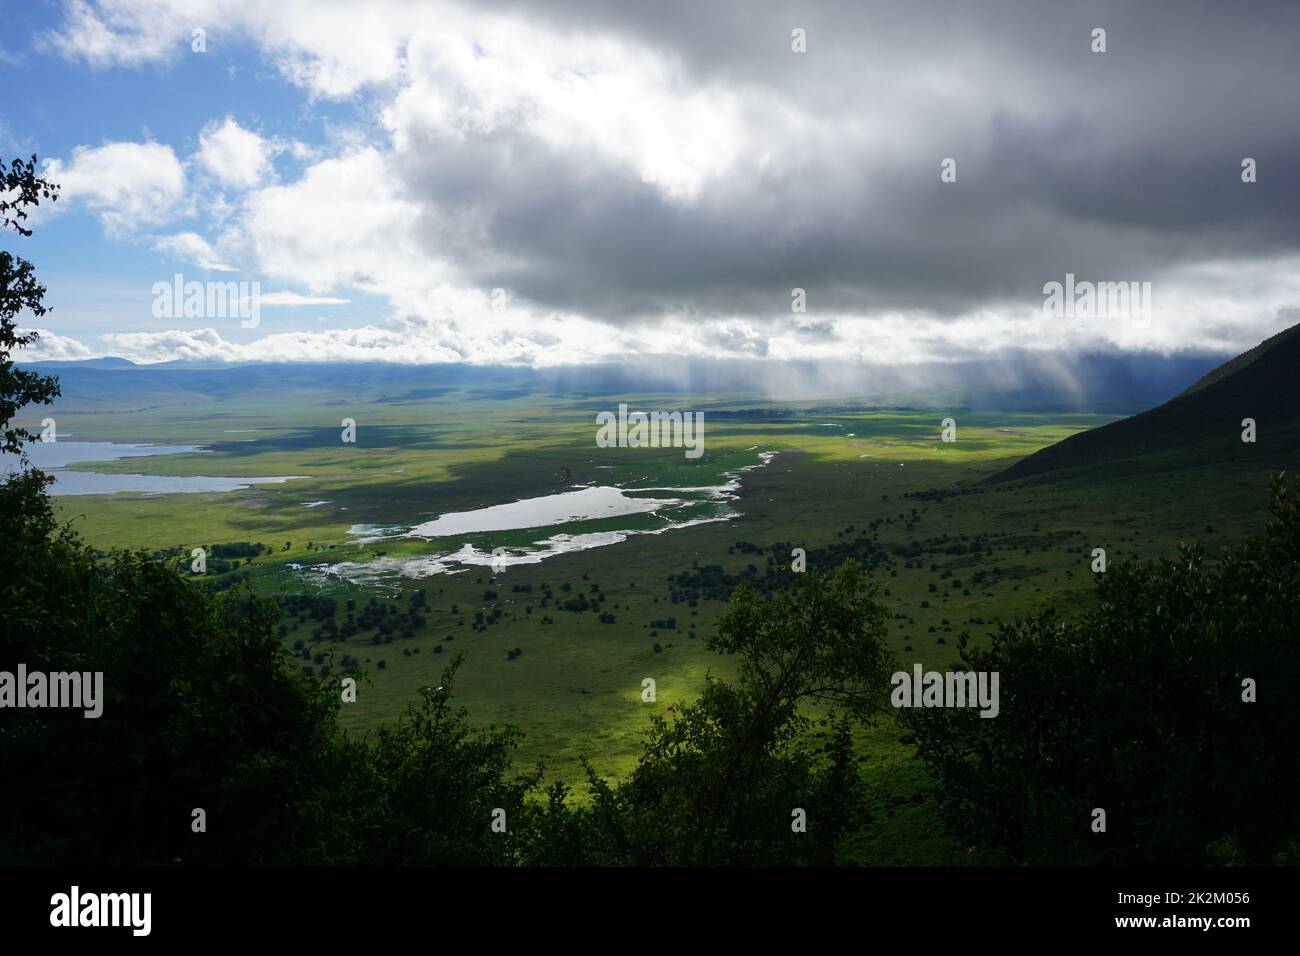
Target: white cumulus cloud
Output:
[(239, 158), (128, 185), (52, 347)]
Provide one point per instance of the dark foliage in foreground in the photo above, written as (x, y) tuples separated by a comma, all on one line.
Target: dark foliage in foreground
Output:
[(1137, 708), (722, 780), (198, 711)]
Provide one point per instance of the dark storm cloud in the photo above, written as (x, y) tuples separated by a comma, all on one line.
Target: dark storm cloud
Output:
[(1112, 166)]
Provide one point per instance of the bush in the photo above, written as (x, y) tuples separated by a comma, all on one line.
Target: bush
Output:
[(716, 784), (1137, 707), (201, 708)]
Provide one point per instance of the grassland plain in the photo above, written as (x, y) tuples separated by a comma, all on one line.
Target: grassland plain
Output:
[(560, 648)]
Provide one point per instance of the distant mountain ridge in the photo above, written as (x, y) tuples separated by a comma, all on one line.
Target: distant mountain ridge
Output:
[(105, 362), (1201, 424), (1015, 380)]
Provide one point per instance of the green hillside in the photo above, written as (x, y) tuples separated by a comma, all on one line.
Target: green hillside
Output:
[(1201, 426)]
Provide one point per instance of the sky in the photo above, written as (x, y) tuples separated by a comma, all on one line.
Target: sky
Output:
[(572, 182)]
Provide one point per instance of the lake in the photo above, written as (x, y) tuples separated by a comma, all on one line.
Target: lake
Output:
[(659, 510), (55, 457)]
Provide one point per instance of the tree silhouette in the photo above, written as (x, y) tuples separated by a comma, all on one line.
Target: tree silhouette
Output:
[(20, 188)]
